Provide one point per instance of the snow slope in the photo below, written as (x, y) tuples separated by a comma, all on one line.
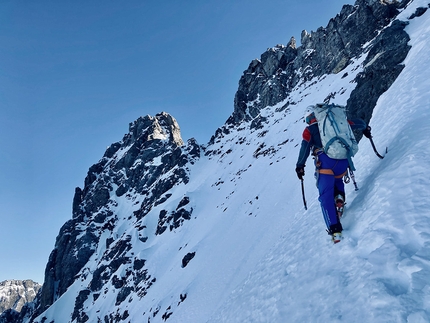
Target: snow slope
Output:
[(259, 256), (381, 271)]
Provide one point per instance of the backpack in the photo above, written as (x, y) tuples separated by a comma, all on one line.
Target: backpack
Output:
[(337, 137)]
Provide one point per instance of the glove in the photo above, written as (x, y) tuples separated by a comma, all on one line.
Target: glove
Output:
[(366, 132), (300, 172)]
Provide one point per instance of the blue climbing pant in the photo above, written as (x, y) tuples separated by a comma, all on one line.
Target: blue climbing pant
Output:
[(330, 184)]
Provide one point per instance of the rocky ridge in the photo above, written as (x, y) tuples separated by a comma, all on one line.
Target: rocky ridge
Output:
[(367, 26), (15, 293)]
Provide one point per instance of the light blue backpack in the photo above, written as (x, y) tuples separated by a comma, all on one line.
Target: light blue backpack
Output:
[(337, 137)]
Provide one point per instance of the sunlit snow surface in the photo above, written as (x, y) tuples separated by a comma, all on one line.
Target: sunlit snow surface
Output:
[(260, 257)]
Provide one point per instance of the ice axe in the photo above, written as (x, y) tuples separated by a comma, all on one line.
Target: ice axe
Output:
[(374, 148), (303, 194)]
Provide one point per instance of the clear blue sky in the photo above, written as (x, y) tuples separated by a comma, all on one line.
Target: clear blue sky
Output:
[(74, 74)]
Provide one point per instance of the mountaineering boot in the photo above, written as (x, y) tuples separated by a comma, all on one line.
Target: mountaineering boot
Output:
[(340, 204), (336, 237), (336, 232)]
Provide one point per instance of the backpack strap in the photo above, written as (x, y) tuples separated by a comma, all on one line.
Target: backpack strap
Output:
[(329, 116), (351, 164)]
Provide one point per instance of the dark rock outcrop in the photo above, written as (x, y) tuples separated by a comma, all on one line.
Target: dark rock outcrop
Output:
[(187, 258), (328, 50), (381, 68)]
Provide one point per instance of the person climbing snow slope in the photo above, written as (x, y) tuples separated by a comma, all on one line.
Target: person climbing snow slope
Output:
[(331, 166)]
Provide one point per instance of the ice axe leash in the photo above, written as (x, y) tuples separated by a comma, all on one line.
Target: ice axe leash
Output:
[(303, 194)]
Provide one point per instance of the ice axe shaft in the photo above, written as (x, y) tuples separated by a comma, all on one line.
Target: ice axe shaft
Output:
[(303, 194)]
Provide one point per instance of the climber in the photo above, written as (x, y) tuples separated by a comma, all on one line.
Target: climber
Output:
[(329, 171)]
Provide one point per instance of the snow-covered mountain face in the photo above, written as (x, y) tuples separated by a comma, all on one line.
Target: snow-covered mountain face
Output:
[(15, 293), (166, 231), (135, 175)]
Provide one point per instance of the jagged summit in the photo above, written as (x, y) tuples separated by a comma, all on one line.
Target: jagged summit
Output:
[(153, 146), (137, 170), (163, 126)]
